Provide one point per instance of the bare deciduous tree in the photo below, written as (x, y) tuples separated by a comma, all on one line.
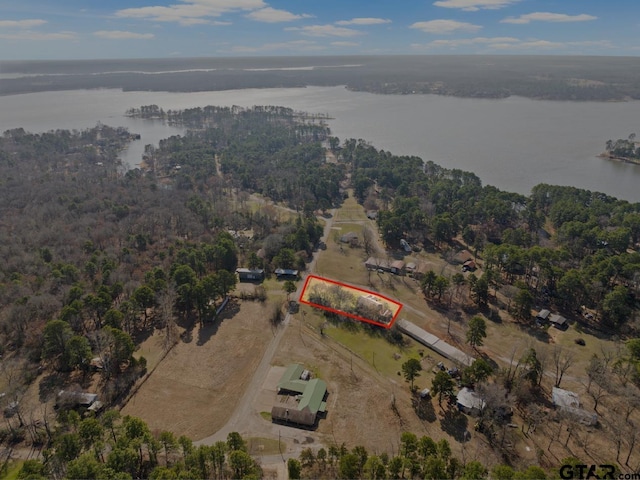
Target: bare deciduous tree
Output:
[(631, 434), (368, 241), (167, 318), (562, 360), (597, 391)]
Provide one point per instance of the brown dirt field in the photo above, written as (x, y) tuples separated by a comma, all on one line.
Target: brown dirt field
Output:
[(196, 387)]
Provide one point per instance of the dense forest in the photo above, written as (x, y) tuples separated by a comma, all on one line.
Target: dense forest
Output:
[(95, 260)]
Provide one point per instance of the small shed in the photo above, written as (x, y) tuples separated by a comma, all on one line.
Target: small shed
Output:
[(463, 256), (374, 263), (469, 402), (569, 402), (372, 214), (469, 266), (410, 268), (564, 398), (75, 399), (397, 267), (558, 321), (543, 315), (351, 238), (286, 273), (250, 275)]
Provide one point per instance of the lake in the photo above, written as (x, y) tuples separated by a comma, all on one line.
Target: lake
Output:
[(513, 143)]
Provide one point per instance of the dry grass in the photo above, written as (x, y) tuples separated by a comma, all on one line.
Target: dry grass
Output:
[(350, 210), (196, 387), (265, 446)]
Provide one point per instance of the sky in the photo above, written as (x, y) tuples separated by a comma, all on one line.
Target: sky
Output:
[(96, 29)]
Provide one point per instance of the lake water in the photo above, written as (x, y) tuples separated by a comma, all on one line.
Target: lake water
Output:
[(512, 143)]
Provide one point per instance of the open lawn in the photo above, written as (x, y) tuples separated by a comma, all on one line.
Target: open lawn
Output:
[(13, 469), (195, 388)]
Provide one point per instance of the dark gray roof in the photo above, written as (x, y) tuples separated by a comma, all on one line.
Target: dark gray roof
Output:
[(249, 270), (286, 271), (557, 319), (543, 314), (292, 415)]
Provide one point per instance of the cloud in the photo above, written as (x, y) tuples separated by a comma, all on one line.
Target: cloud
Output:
[(364, 21), (30, 35), (272, 15), (445, 26), (325, 31), (295, 45), (475, 5), (29, 23), (121, 35), (548, 17), (345, 44), (190, 12)]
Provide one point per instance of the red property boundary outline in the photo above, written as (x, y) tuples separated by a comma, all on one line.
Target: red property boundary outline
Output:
[(350, 315)]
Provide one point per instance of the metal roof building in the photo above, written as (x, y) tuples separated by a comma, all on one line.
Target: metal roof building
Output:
[(291, 379), (569, 402), (286, 272), (469, 401), (310, 398), (313, 396)]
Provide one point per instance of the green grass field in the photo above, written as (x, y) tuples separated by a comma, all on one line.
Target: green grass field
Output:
[(377, 351), (14, 469), (266, 416)]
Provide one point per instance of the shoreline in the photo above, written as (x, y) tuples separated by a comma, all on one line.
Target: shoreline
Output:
[(633, 161)]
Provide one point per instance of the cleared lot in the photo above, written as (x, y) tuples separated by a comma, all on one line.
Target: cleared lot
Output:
[(197, 386)]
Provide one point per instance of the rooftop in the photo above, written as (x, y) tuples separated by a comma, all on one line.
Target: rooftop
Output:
[(291, 381), (470, 399), (313, 396), (564, 398)]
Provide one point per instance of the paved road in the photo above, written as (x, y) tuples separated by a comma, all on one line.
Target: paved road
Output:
[(244, 418)]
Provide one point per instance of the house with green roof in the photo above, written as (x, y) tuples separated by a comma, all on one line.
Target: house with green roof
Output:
[(309, 394)]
